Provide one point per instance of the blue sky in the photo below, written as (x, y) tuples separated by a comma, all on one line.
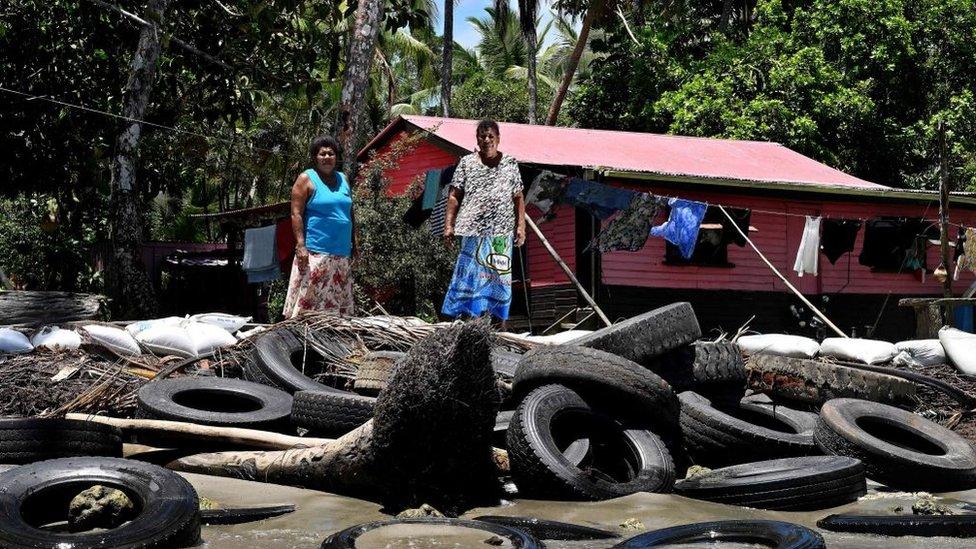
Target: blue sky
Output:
[(465, 35)]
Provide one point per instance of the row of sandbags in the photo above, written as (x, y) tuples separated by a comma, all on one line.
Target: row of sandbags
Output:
[(189, 337), (953, 346)]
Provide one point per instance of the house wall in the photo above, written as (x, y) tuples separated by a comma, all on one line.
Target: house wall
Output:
[(425, 157), (778, 237)]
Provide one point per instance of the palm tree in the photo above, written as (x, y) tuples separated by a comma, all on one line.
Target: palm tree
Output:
[(528, 15), (500, 45), (447, 61), (593, 11)]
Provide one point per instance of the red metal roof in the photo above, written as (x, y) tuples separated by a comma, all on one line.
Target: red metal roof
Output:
[(665, 155)]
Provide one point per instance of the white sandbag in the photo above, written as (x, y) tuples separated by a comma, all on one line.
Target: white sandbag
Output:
[(868, 351), (52, 337), (778, 344), (116, 339), (12, 341), (143, 325), (165, 340), (558, 339), (960, 347), (241, 334), (905, 360), (926, 352), (207, 337), (230, 323)]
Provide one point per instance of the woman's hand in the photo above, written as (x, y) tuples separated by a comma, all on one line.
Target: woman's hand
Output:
[(449, 236), (301, 255), (520, 236)]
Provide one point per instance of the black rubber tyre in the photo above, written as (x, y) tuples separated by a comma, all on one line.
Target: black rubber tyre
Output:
[(215, 401), (899, 449), (751, 431), (791, 484), (331, 413), (36, 439), (815, 382), (620, 461), (375, 370), (604, 378), (549, 529), (346, 539), (955, 526), (39, 493), (241, 515), (574, 453), (271, 362), (646, 336), (768, 533), (504, 362), (713, 370)]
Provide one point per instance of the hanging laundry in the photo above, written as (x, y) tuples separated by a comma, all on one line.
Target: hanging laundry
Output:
[(838, 237), (432, 186), (439, 213), (740, 219), (546, 189), (284, 243), (890, 243), (629, 229), (260, 258), (967, 243), (600, 200), (809, 251), (681, 228)]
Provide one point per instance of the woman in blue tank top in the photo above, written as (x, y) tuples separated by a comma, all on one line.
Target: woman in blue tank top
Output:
[(322, 219)]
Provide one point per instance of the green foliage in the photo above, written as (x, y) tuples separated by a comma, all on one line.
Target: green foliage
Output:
[(42, 249), (406, 270), (484, 96), (858, 84)]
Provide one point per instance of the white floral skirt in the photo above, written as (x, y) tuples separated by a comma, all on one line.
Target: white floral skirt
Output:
[(325, 286)]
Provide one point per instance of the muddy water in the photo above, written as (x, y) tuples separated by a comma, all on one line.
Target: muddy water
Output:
[(319, 514)]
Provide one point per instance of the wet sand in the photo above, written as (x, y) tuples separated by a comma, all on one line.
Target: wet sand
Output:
[(320, 514)]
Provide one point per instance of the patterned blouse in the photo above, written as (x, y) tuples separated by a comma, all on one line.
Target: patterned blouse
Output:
[(486, 208)]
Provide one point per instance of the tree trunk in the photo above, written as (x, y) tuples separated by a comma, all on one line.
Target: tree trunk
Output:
[(447, 61), (584, 35), (132, 292), (35, 308), (532, 40), (726, 14), (362, 45)]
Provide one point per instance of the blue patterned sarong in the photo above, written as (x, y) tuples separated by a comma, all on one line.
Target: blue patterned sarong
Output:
[(482, 281)]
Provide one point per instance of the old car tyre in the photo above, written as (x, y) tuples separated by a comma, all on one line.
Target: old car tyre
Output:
[(346, 539), (38, 494), (216, 401), (768, 533), (601, 376), (375, 370), (620, 460), (713, 370), (898, 448), (790, 484), (751, 431), (331, 413), (271, 362), (504, 362), (549, 529), (957, 526), (26, 440), (647, 336), (815, 382), (241, 515)]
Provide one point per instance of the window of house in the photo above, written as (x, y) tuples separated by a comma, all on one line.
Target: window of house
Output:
[(711, 249)]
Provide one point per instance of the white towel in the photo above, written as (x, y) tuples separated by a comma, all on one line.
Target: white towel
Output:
[(259, 249), (809, 252)]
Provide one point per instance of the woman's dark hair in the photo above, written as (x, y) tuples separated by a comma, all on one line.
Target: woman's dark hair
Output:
[(487, 125), (323, 141)]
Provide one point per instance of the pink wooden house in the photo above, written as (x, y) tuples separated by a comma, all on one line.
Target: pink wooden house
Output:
[(779, 185)]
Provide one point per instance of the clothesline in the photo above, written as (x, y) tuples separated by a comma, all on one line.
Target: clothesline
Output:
[(928, 205)]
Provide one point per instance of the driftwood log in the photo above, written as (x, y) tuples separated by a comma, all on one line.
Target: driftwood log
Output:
[(23, 307), (166, 434), (428, 442)]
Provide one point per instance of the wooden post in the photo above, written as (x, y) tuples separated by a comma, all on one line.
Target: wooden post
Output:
[(567, 270), (944, 217)]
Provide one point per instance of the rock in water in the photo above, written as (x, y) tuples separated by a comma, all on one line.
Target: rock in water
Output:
[(433, 424), (424, 511), (99, 507)]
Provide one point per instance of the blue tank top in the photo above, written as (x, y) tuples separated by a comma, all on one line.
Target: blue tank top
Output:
[(328, 217)]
